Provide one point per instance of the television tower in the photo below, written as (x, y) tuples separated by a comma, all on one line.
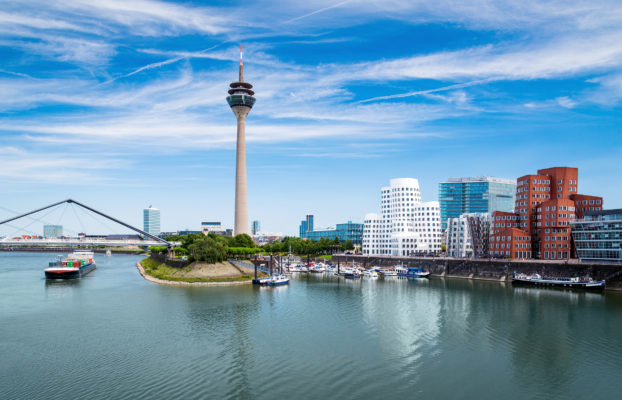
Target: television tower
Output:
[(241, 101)]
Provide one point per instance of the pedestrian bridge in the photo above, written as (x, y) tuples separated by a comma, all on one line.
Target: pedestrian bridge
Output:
[(82, 242), (149, 239)]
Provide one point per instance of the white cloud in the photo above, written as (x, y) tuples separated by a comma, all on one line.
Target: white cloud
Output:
[(566, 102), (24, 166)]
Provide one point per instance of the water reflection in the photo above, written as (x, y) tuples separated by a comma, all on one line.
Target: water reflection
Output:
[(224, 317), (59, 288), (319, 337)]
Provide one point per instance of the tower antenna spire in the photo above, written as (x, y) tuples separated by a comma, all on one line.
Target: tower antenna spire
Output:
[(241, 66)]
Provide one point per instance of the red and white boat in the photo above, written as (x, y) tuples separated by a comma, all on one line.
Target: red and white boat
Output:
[(75, 265)]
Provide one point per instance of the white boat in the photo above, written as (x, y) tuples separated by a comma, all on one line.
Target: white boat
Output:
[(400, 270), (388, 272), (370, 274), (108, 253), (317, 268), (277, 280), (297, 268)]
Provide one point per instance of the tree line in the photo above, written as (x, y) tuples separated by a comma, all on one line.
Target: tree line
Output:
[(213, 248)]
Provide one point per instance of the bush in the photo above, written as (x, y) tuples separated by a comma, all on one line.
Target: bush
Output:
[(158, 249)]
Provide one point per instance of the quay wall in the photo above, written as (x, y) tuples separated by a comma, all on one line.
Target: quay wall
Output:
[(175, 263), (500, 270)]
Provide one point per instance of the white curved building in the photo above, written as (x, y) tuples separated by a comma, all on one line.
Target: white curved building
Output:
[(406, 225)]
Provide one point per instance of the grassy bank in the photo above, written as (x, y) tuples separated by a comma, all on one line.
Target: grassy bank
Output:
[(162, 271)]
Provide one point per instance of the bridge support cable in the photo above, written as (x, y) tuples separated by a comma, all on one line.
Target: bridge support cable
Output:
[(73, 209), (71, 201), (31, 222), (156, 238), (82, 210), (32, 212), (34, 219)]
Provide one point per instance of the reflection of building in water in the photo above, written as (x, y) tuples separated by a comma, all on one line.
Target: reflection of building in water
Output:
[(225, 321), (544, 330), (406, 316)]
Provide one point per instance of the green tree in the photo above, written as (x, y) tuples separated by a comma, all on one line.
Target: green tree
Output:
[(208, 250), (242, 240), (348, 245)]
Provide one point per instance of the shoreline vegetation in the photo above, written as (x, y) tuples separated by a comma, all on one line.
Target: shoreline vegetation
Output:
[(194, 274)]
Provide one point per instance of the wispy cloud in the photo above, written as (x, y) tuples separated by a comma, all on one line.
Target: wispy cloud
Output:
[(321, 10)]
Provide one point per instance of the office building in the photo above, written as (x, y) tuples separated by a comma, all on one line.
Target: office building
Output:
[(546, 204), (468, 235), (306, 225), (52, 231), (255, 227), (460, 196), (598, 236), (211, 226), (151, 221), (406, 225), (347, 231)]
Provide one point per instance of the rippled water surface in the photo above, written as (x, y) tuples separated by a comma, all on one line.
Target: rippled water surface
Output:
[(114, 335)]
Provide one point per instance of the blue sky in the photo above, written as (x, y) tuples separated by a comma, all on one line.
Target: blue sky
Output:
[(121, 104)]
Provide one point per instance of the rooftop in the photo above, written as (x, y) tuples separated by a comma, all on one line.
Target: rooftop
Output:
[(481, 179)]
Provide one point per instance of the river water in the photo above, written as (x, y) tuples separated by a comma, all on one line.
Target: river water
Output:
[(113, 335)]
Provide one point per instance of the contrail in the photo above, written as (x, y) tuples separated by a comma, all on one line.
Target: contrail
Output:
[(318, 11), (165, 62), (420, 92), (176, 59)]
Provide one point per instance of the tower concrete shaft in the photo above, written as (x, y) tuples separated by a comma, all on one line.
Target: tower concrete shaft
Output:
[(241, 198), (241, 101)]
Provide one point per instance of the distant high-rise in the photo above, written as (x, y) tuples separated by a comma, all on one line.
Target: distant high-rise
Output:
[(52, 231), (151, 221), (256, 227), (241, 101), (460, 196), (306, 225)]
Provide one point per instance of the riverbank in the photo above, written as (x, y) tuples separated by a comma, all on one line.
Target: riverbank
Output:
[(195, 274)]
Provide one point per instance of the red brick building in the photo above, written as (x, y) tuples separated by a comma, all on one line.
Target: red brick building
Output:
[(540, 225)]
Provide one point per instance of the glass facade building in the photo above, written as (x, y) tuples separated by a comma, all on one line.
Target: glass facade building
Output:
[(460, 196), (52, 231), (347, 231), (255, 227), (151, 221), (306, 225), (598, 236)]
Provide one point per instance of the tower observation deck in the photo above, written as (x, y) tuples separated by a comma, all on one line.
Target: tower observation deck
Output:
[(241, 101)]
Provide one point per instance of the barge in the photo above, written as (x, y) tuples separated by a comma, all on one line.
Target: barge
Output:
[(75, 265)]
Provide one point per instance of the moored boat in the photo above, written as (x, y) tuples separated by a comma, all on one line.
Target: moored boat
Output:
[(352, 274), (574, 282), (75, 265), (274, 280), (388, 272), (370, 273), (278, 280), (416, 273)]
